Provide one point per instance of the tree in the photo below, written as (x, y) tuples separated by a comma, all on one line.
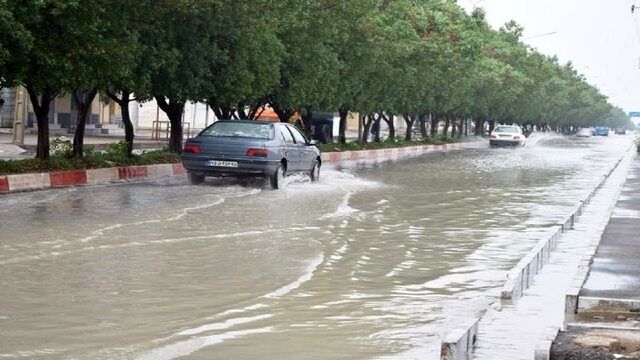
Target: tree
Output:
[(96, 30), (44, 66), (179, 49)]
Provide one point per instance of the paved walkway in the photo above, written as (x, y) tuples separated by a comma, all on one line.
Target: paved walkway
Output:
[(607, 321)]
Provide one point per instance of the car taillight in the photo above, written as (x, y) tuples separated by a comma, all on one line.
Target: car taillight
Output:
[(493, 136), (192, 148), (516, 137), (258, 152)]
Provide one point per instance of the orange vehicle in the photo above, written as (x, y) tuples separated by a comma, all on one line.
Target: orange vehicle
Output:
[(266, 113)]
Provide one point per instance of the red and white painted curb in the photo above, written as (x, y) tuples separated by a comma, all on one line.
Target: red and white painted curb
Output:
[(30, 182), (58, 179)]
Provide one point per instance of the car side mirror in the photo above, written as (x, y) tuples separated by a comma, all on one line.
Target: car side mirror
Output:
[(312, 142)]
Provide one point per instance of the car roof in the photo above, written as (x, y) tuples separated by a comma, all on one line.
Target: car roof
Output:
[(247, 121)]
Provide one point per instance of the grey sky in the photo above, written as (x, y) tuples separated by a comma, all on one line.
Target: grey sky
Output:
[(598, 36)]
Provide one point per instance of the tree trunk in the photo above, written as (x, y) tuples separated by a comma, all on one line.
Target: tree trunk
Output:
[(306, 123), (492, 125), (466, 126), (283, 114), (344, 114), (368, 121), (435, 121), (423, 126), (41, 104), (409, 120), (174, 110), (376, 127), (479, 124), (447, 124), (392, 127), (129, 134), (83, 100)]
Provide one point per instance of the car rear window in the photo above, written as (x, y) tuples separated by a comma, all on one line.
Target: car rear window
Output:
[(240, 130), (506, 129)]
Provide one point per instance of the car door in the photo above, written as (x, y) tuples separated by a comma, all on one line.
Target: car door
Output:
[(291, 149), (307, 155)]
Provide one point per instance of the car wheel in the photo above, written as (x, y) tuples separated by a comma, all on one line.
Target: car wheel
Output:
[(195, 179), (277, 178), (315, 172)]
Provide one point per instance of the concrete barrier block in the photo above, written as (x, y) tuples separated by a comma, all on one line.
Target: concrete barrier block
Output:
[(4, 185), (178, 169), (459, 343), (158, 171), (571, 304), (587, 303), (132, 172), (543, 347), (102, 176), (25, 182), (68, 178)]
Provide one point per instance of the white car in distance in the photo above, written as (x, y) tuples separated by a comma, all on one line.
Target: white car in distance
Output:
[(507, 135)]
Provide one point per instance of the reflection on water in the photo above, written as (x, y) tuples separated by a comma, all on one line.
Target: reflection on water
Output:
[(372, 261)]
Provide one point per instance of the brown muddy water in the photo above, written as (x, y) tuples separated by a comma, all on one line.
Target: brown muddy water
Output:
[(375, 261)]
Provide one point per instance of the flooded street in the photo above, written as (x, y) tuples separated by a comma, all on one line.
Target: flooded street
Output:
[(374, 261)]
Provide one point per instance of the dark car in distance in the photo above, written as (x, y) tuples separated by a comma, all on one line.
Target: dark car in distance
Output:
[(250, 148)]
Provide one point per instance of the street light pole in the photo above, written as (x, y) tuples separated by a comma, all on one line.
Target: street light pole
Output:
[(20, 117)]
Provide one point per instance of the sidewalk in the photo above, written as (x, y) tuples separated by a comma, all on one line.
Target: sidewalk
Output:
[(99, 142), (604, 322)]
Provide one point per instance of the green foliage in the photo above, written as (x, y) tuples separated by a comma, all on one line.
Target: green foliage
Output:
[(402, 57), (397, 142)]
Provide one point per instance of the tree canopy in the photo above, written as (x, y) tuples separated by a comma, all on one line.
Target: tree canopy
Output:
[(426, 59)]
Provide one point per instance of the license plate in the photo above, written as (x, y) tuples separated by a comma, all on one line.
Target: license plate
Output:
[(504, 136), (227, 164)]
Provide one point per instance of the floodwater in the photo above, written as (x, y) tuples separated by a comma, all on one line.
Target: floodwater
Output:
[(375, 261)]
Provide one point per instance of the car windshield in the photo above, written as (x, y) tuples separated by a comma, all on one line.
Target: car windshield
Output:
[(240, 130), (507, 129)]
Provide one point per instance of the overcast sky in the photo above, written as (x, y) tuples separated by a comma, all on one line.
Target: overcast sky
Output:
[(599, 36)]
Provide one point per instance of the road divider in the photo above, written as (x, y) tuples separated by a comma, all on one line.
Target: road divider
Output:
[(58, 179), (521, 277), (391, 154), (30, 182), (459, 343)]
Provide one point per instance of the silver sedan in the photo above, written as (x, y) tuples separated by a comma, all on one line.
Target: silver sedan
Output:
[(250, 148)]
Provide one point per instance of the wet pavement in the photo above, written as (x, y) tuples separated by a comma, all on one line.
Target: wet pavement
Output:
[(615, 272), (543, 305), (376, 261), (607, 319)]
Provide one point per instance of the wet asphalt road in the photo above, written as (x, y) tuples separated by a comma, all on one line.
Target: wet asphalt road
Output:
[(374, 261)]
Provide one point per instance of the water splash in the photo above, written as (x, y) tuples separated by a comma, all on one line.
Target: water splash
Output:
[(540, 139)]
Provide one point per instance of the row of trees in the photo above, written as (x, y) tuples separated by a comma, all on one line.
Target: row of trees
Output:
[(427, 61)]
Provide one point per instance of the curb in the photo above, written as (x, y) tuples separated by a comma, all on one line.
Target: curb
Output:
[(521, 277), (60, 179), (459, 343), (543, 347), (389, 154)]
